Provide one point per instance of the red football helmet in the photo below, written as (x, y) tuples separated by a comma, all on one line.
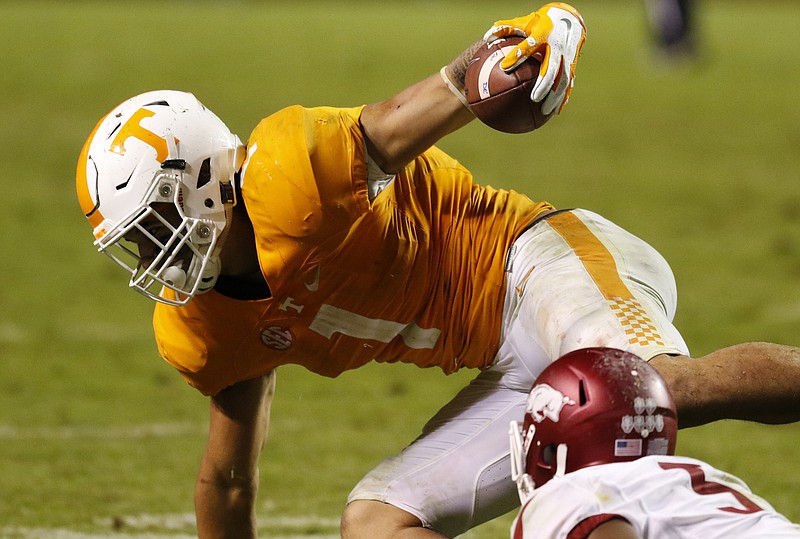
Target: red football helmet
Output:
[(591, 406)]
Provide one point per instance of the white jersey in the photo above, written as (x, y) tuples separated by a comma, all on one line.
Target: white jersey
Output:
[(661, 496)]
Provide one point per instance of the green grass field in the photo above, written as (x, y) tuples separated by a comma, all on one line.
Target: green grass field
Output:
[(100, 438)]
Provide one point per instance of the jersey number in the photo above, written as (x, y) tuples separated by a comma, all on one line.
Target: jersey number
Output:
[(703, 487), (330, 320)]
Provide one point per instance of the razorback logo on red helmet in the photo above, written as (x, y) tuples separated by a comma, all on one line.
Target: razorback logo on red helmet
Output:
[(545, 401), (277, 337)]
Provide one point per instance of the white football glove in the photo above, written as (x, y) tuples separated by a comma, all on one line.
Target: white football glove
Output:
[(555, 34)]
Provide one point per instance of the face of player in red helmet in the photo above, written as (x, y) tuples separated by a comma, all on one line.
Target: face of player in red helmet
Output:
[(592, 406)]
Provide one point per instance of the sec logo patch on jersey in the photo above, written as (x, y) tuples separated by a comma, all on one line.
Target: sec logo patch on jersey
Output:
[(277, 337)]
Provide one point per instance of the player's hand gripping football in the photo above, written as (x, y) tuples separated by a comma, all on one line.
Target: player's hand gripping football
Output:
[(555, 34)]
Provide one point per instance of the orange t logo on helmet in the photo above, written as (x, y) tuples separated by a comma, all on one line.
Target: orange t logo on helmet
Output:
[(132, 128)]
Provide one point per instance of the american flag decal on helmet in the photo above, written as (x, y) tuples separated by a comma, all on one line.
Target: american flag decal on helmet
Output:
[(627, 448)]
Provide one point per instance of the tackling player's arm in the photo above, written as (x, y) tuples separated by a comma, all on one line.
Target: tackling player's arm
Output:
[(227, 482), (749, 381)]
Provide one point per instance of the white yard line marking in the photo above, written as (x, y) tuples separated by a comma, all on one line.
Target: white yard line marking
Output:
[(156, 430), (176, 526), (11, 532)]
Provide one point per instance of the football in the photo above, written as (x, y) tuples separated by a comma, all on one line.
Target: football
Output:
[(503, 100)]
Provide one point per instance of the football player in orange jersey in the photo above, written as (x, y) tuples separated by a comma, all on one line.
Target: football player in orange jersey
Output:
[(340, 236)]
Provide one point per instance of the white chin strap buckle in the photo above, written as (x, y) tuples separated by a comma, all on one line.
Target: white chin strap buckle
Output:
[(175, 277)]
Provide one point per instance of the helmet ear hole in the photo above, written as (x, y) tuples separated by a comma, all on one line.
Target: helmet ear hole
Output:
[(549, 454), (582, 394), (205, 173)]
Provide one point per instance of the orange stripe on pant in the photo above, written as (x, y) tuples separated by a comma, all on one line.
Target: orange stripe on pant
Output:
[(594, 256), (602, 268)]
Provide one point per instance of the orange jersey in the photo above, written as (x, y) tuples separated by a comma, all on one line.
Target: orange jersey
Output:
[(416, 275)]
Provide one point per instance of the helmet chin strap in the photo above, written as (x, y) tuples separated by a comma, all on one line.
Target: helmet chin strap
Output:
[(525, 487), (214, 265), (210, 274), (207, 278)]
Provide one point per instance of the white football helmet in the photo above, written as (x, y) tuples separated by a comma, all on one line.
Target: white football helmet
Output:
[(158, 151)]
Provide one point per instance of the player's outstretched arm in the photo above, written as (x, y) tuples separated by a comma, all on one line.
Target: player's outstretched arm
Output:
[(399, 129), (227, 482), (750, 381), (402, 127)]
